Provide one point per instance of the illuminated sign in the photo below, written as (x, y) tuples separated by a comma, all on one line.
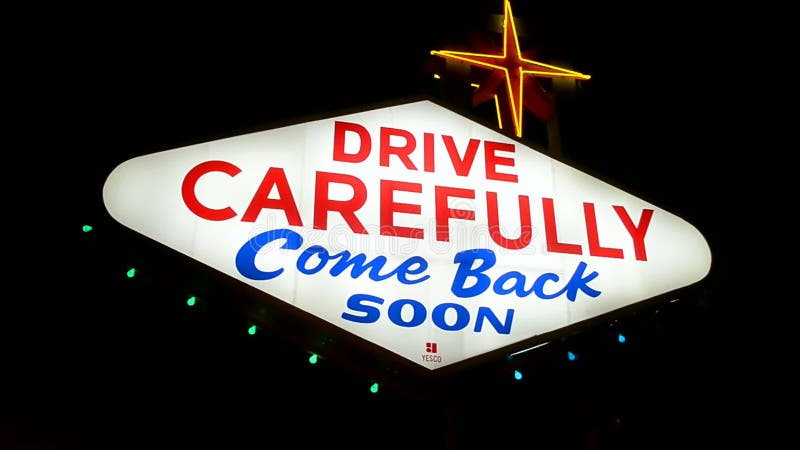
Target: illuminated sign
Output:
[(412, 227), (513, 73)]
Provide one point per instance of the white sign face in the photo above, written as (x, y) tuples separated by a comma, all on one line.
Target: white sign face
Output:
[(410, 226)]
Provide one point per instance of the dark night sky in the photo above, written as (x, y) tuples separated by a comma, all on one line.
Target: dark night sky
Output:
[(94, 360)]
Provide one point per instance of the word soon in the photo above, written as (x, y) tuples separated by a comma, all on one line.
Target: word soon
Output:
[(367, 305)]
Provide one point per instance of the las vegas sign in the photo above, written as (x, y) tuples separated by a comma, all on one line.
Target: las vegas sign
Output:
[(412, 227)]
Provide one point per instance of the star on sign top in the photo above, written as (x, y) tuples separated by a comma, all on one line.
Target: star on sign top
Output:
[(510, 69)]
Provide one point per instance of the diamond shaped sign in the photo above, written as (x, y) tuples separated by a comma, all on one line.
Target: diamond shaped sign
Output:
[(412, 227)]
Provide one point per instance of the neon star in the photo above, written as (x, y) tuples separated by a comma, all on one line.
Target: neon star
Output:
[(515, 70)]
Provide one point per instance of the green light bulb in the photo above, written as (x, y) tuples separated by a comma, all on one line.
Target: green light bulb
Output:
[(191, 300), (131, 272), (87, 228), (252, 330), (374, 388), (313, 358)]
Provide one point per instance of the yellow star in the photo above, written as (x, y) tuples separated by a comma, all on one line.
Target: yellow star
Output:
[(512, 67)]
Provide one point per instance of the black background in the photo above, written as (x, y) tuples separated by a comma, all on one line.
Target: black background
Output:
[(674, 113)]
